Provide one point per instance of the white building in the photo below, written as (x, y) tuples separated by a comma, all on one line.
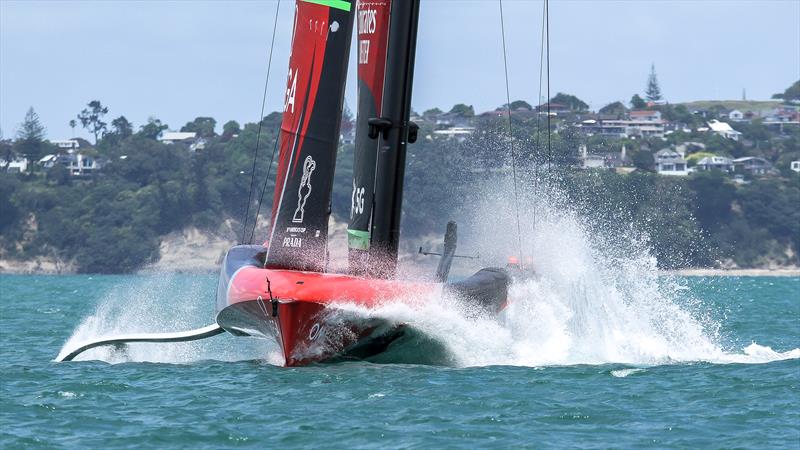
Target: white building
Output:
[(795, 165), (645, 115), (66, 144), (715, 163), (753, 165), (670, 162), (16, 165), (736, 115), (626, 128), (171, 137), (76, 163), (459, 133), (724, 129)]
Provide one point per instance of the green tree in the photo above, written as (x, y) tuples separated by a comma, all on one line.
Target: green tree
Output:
[(791, 94), (152, 129), (653, 92), (713, 197), (30, 136), (644, 160), (430, 113), (463, 110), (520, 104), (92, 118), (230, 128), (638, 102), (203, 126), (122, 127), (616, 108), (570, 101), (73, 124)]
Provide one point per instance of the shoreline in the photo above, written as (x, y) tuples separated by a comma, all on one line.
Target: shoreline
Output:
[(45, 267)]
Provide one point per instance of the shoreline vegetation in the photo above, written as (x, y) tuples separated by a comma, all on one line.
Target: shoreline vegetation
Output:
[(159, 200)]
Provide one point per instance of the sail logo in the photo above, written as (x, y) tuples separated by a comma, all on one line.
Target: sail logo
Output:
[(367, 21), (363, 51), (292, 242), (304, 190), (357, 201), (291, 90)]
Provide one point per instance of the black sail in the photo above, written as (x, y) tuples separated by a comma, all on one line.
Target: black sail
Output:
[(373, 32)]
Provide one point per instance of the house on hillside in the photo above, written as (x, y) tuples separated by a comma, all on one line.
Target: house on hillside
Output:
[(78, 164), (458, 133), (17, 164), (590, 161), (48, 161), (645, 115), (606, 160), (714, 162), (670, 162), (188, 138), (752, 165), (183, 137), (552, 108), (736, 115), (724, 129), (795, 166), (449, 119), (66, 145)]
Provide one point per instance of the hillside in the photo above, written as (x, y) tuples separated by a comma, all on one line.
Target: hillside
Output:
[(152, 203)]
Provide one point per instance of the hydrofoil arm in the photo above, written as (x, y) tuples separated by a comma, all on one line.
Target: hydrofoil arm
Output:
[(180, 336)]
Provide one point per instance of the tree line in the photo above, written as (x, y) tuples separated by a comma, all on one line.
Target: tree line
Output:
[(113, 222)]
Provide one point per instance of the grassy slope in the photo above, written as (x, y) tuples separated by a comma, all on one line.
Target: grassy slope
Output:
[(741, 105)]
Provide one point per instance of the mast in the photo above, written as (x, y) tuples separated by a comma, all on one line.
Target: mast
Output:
[(309, 136), (373, 34), (393, 131)]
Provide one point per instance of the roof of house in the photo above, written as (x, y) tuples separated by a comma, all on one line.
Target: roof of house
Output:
[(751, 159), (644, 113), (667, 152), (715, 161), (178, 135), (721, 127)]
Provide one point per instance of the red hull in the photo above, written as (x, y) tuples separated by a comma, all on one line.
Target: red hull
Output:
[(319, 316), (311, 314)]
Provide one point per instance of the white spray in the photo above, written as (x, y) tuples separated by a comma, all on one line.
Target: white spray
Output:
[(598, 298)]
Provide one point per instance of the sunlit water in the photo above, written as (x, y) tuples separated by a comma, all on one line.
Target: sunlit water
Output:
[(708, 362)]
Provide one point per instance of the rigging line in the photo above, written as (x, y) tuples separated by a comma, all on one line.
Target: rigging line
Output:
[(547, 28), (538, 122), (510, 133), (264, 186), (260, 124)]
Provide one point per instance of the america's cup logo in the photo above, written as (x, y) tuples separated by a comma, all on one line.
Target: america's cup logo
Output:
[(304, 190)]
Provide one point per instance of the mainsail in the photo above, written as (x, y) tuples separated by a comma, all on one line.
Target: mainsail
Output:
[(373, 33), (310, 134)]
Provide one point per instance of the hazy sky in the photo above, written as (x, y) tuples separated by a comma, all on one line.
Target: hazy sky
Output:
[(181, 59)]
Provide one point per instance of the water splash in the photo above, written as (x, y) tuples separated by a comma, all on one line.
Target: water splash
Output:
[(156, 304), (598, 298)]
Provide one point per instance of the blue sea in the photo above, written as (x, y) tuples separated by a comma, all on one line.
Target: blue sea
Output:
[(578, 363)]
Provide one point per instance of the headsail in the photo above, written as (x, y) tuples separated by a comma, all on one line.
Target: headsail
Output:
[(310, 134), (373, 34)]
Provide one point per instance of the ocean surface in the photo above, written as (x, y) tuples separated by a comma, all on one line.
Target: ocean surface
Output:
[(581, 363)]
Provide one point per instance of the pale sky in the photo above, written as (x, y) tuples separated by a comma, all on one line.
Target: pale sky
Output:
[(177, 60)]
